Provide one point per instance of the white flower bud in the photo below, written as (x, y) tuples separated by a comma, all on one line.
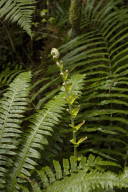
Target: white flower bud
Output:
[(62, 73), (58, 63), (55, 53)]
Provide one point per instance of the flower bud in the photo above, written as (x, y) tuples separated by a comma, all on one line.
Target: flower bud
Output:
[(58, 63), (61, 73), (55, 53)]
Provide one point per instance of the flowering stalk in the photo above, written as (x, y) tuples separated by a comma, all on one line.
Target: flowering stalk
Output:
[(71, 97)]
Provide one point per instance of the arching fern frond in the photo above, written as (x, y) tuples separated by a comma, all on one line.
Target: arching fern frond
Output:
[(19, 11), (41, 127), (12, 107), (87, 176), (101, 53)]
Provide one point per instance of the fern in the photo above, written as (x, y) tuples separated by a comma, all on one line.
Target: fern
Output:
[(7, 75), (19, 11), (41, 127), (83, 177), (12, 107), (60, 12), (101, 53), (77, 81)]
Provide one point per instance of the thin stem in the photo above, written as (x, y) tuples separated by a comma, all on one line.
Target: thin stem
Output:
[(74, 135), (55, 54), (75, 147)]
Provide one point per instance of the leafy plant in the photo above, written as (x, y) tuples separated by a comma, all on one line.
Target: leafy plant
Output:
[(18, 11), (12, 107), (19, 158), (101, 53), (88, 176)]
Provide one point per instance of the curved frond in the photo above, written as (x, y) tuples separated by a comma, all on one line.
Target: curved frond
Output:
[(86, 176), (101, 53), (19, 11), (12, 106), (41, 127)]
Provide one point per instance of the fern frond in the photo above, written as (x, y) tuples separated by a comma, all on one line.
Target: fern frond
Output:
[(7, 75), (19, 11), (41, 127), (83, 177), (101, 53), (12, 106)]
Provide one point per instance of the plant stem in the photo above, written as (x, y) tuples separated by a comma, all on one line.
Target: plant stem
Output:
[(68, 94), (74, 135), (75, 147)]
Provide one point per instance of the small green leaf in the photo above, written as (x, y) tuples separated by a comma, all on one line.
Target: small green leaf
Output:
[(81, 140), (77, 127), (43, 12), (75, 111), (73, 142), (68, 86), (65, 75), (71, 99), (44, 20)]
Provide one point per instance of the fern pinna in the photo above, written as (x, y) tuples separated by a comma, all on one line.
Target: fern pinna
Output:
[(101, 53)]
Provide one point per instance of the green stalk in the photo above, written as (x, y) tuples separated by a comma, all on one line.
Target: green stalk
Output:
[(75, 147), (70, 98), (74, 134)]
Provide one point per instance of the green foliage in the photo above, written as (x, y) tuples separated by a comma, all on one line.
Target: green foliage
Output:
[(12, 107), (19, 11), (20, 150), (71, 97), (101, 53), (75, 17), (87, 175), (6, 77), (61, 13), (41, 126)]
